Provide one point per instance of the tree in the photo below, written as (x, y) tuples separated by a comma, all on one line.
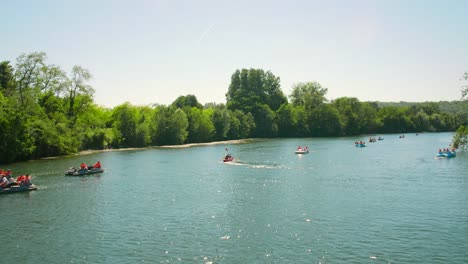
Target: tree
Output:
[(287, 120), (77, 92), (125, 124), (265, 123), (252, 88), (7, 79), (15, 144), (187, 101), (310, 95), (28, 67), (460, 140), (169, 126), (325, 121), (221, 121), (394, 120), (241, 125), (200, 128)]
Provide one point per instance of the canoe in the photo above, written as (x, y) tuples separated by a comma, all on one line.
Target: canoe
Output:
[(83, 172), (18, 188), (301, 151)]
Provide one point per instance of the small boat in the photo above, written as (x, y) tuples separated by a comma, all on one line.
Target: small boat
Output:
[(228, 158), (380, 138), (82, 172), (302, 150), (447, 154), (18, 188)]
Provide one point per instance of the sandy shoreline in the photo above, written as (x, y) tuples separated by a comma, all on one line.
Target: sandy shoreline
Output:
[(87, 152)]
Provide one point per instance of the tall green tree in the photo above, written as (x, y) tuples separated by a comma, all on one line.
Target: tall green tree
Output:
[(259, 93), (287, 121), (310, 95), (169, 126), (27, 74), (78, 93), (249, 89), (125, 124), (221, 121), (7, 79)]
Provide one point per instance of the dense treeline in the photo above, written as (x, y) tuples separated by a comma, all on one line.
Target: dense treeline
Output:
[(46, 112)]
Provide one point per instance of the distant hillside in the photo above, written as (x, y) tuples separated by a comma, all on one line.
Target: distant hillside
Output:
[(452, 107)]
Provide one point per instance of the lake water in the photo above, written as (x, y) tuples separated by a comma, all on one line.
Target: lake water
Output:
[(391, 202)]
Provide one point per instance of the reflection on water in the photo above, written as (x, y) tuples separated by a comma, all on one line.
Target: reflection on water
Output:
[(389, 202)]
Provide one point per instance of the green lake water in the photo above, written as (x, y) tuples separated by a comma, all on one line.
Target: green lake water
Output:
[(391, 202)]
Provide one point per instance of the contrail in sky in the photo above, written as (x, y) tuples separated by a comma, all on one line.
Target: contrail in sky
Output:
[(205, 33)]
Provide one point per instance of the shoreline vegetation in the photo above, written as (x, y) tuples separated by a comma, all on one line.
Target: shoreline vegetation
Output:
[(46, 112)]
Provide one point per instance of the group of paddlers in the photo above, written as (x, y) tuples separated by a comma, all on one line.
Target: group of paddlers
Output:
[(83, 166), (302, 148), (446, 150), (7, 180)]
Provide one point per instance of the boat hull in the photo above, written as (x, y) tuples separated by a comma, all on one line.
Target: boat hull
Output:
[(18, 188), (447, 155), (83, 172)]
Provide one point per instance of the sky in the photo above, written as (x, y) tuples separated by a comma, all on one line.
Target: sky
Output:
[(151, 52)]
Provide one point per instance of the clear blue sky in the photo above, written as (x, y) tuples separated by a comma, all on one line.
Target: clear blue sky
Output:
[(145, 51)]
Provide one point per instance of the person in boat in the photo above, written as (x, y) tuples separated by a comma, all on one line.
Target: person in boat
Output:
[(10, 179), (83, 166), (21, 179), (3, 182), (97, 165), (24, 180)]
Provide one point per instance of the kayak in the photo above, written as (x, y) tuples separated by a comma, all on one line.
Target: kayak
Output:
[(83, 172), (228, 159), (18, 188), (360, 145), (301, 151)]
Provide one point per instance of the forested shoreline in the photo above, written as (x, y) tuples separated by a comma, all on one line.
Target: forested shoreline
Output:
[(46, 112)]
